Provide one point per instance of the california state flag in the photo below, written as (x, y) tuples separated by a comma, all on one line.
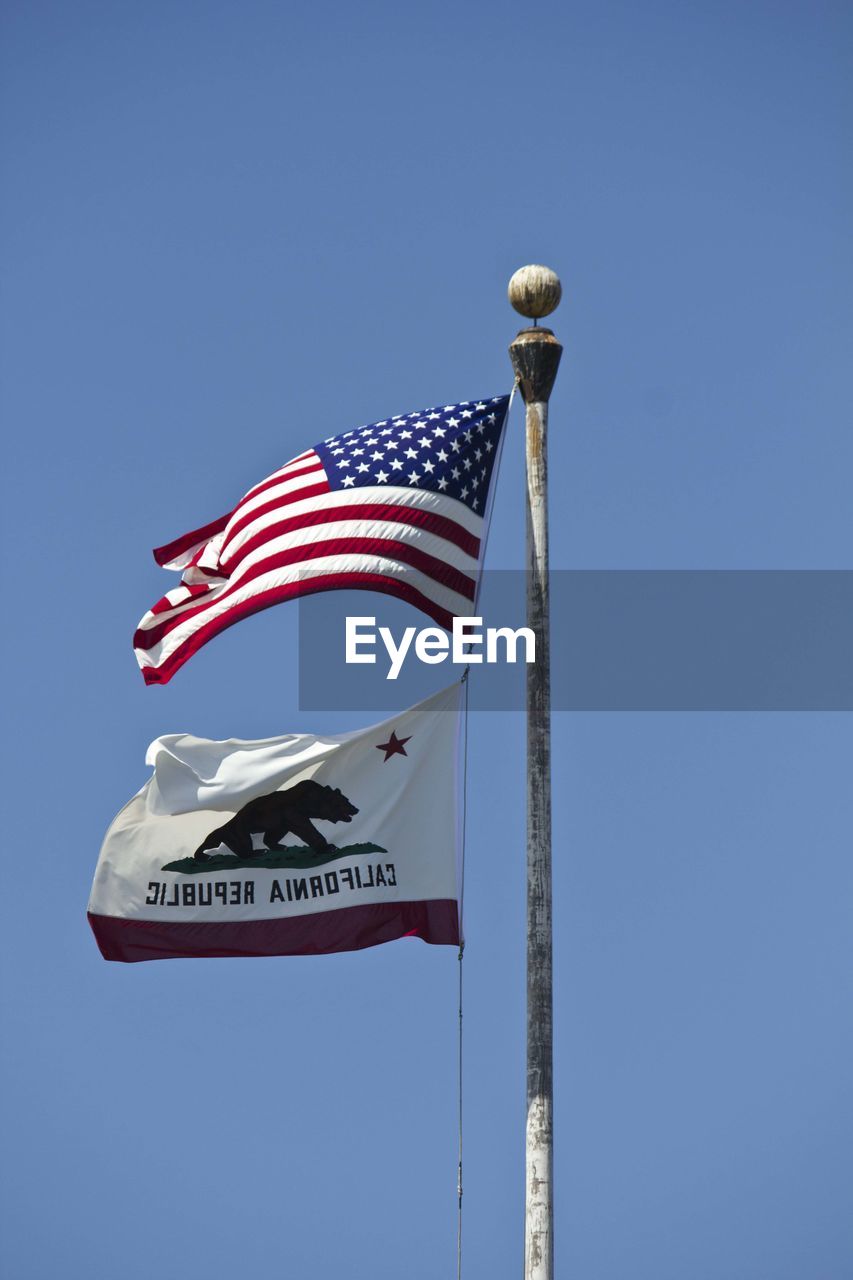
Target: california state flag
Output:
[(288, 846)]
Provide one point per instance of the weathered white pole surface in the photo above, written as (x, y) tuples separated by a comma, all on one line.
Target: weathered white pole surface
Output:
[(535, 292)]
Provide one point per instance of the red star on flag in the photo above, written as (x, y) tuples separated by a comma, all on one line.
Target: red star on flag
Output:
[(394, 746)]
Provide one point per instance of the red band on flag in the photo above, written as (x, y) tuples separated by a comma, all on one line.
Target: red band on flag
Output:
[(350, 929)]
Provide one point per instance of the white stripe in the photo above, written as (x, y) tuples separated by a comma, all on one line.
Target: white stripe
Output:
[(178, 595), (181, 598), (152, 619), (194, 577)]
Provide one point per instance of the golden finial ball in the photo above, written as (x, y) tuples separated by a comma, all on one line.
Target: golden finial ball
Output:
[(535, 291)]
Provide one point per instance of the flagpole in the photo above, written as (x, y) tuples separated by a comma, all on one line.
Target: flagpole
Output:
[(535, 292)]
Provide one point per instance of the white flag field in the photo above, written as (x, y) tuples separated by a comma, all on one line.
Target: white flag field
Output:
[(294, 845)]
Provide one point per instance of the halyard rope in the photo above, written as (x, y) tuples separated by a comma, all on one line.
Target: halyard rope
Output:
[(461, 953)]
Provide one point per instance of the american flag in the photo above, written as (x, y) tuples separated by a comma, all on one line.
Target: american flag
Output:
[(399, 506)]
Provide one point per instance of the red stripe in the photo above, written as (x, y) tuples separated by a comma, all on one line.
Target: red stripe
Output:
[(181, 545), (347, 929), (416, 517), (240, 522), (438, 570), (163, 673)]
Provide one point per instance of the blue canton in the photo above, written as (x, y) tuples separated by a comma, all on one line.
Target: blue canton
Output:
[(450, 449)]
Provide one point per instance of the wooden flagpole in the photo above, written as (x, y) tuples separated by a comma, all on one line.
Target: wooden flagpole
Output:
[(535, 292)]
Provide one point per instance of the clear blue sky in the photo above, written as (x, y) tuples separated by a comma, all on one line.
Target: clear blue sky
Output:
[(229, 230)]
